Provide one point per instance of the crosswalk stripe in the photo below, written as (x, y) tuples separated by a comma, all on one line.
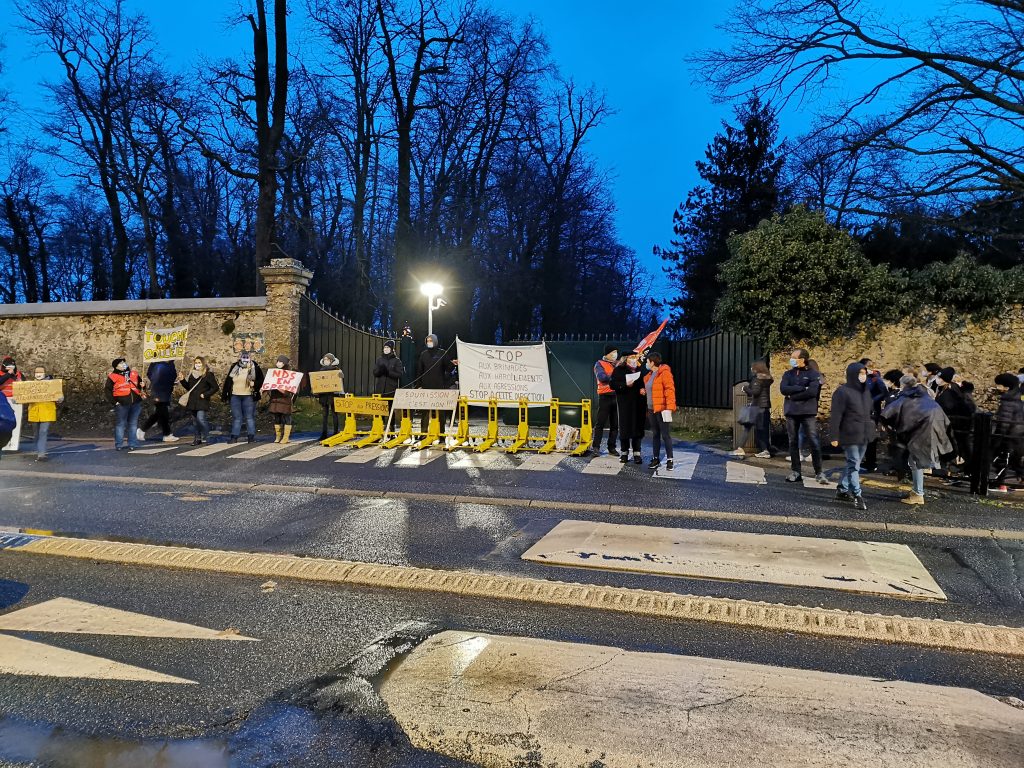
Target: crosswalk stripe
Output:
[(315, 452), (603, 465), (151, 451), (738, 472), (209, 450), (361, 456), (685, 465), (73, 616), (266, 449), (419, 458), (24, 657), (542, 462), (477, 460), (810, 482)]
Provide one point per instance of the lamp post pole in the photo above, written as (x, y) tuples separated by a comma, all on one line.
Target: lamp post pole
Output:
[(434, 301)]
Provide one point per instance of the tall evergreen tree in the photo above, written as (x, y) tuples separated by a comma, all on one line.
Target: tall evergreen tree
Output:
[(742, 173)]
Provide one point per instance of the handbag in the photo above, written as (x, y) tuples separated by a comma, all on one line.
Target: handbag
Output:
[(748, 415), (183, 400)]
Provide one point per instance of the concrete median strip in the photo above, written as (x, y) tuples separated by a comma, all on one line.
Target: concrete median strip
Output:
[(210, 486), (742, 613)]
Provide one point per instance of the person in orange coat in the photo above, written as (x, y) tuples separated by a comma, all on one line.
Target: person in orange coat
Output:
[(661, 403)]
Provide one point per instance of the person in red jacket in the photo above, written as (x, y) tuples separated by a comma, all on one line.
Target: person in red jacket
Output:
[(660, 388), (126, 390), (9, 374)]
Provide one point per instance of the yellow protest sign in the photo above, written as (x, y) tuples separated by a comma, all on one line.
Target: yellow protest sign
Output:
[(49, 391), (362, 406), (165, 344), (326, 382)]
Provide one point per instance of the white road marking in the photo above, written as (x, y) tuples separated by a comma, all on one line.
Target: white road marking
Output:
[(24, 657), (419, 458), (738, 472), (477, 460), (853, 566), (542, 462), (266, 449), (210, 449), (361, 456), (810, 482), (314, 452), (603, 465), (685, 465), (460, 694), (151, 451), (65, 615)]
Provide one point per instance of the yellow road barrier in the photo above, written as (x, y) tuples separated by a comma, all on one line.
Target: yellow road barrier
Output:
[(376, 406)]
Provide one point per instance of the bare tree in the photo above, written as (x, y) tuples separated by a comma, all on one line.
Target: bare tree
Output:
[(957, 81)]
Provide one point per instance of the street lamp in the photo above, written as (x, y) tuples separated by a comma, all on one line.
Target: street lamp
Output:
[(433, 293)]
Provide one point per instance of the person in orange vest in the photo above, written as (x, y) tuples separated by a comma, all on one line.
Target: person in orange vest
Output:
[(127, 391), (9, 374), (607, 411), (660, 389)]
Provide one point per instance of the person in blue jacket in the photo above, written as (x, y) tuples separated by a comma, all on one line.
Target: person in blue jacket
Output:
[(162, 377)]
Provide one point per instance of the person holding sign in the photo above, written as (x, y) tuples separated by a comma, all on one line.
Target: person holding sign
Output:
[(242, 389), (630, 398), (281, 403), (200, 386), (330, 364), (661, 404), (43, 414), (126, 391)]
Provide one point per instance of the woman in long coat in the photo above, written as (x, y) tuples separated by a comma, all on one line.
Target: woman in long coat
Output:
[(630, 399)]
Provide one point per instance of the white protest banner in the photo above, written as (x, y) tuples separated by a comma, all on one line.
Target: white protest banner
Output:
[(164, 344), (426, 399), (488, 371), (282, 380)]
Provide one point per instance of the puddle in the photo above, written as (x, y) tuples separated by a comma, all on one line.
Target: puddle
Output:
[(54, 747)]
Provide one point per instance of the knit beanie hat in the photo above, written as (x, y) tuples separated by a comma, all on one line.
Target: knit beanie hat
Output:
[(609, 348), (893, 376), (947, 374), (907, 382), (1007, 380)]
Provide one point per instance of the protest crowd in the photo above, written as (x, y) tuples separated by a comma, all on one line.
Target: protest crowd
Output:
[(921, 414)]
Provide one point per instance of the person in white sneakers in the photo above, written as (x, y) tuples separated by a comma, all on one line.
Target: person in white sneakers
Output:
[(759, 391), (660, 390)]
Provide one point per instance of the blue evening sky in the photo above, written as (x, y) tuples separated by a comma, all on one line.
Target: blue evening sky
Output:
[(634, 51)]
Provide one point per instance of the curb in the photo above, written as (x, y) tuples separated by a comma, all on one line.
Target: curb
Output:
[(934, 633), (566, 506)]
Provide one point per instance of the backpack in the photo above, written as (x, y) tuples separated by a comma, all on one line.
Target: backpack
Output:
[(7, 419)]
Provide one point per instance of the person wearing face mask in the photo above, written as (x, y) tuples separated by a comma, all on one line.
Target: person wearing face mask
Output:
[(388, 371), (607, 410), (242, 390), (801, 387), (200, 386), (330, 363), (758, 389), (9, 374), (959, 409), (434, 370), (281, 406), (42, 415), (126, 389), (853, 428), (631, 402), (661, 404)]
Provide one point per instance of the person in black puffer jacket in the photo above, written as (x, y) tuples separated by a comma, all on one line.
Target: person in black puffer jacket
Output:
[(1008, 426), (388, 371), (801, 387), (631, 401), (326, 399), (852, 427), (759, 391), (434, 370)]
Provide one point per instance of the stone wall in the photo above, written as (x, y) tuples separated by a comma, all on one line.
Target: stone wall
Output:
[(978, 351), (77, 341)]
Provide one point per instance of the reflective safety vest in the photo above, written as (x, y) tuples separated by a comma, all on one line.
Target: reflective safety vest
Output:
[(126, 385), (602, 387), (8, 388)]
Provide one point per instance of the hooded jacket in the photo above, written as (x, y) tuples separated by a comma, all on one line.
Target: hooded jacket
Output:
[(802, 388), (921, 425), (852, 406), (326, 399), (162, 375), (433, 368), (388, 371)]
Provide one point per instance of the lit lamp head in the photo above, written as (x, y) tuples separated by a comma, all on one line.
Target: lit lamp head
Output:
[(430, 290)]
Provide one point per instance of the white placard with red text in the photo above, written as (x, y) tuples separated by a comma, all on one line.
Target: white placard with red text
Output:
[(282, 380)]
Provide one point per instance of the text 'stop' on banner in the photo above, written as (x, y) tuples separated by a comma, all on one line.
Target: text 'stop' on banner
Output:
[(488, 371)]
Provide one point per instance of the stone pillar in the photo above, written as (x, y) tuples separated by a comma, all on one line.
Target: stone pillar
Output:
[(286, 281)]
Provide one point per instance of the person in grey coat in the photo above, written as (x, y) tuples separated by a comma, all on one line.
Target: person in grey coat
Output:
[(923, 427), (853, 428)]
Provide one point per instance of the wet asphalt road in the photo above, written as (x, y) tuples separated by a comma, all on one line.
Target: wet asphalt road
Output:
[(278, 703)]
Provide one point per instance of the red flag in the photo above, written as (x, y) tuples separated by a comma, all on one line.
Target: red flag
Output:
[(648, 341)]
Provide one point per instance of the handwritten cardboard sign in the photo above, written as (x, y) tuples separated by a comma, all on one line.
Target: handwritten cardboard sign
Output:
[(326, 382), (362, 406), (49, 391), (282, 380), (426, 399), (165, 344)]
